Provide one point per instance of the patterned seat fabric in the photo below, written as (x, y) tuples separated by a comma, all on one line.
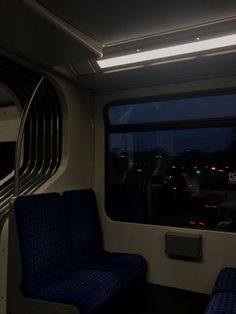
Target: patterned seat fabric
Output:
[(43, 236), (83, 223), (48, 271), (127, 266), (222, 303), (226, 281), (88, 290), (86, 239)]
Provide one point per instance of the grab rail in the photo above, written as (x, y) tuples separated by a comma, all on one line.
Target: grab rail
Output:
[(5, 209), (3, 217), (20, 137)]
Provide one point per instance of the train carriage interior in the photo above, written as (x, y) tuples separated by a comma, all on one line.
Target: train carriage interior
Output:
[(117, 157)]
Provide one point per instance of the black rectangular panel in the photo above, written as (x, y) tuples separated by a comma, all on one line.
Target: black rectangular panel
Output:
[(183, 246)]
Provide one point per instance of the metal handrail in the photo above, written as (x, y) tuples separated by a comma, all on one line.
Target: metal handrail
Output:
[(37, 170), (20, 137), (3, 217), (5, 208)]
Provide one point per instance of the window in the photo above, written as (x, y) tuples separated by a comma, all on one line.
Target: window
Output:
[(173, 110), (173, 162), (9, 123)]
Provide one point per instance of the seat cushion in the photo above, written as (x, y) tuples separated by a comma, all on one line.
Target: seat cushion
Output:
[(131, 269), (222, 303), (43, 236), (127, 266), (226, 281), (83, 223), (86, 239), (88, 290)]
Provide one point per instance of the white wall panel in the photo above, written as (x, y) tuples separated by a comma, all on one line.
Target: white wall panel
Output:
[(218, 247), (76, 168)]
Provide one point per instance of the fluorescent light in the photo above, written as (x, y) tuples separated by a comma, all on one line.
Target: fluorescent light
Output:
[(184, 49)]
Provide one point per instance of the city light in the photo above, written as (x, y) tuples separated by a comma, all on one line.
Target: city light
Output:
[(202, 223)]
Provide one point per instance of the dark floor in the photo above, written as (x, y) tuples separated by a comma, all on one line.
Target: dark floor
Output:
[(164, 300)]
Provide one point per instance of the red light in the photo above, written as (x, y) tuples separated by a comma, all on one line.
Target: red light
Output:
[(210, 206), (192, 222), (202, 223)]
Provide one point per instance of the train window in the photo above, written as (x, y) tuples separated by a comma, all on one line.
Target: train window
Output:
[(9, 123), (173, 110), (175, 172)]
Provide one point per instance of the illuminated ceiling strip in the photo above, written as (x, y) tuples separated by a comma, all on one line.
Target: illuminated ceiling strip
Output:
[(198, 46)]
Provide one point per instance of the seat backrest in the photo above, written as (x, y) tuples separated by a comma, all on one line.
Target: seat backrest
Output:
[(43, 236), (83, 222)]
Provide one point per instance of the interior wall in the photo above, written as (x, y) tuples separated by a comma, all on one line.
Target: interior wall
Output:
[(148, 240), (9, 115), (8, 130), (75, 170), (76, 167)]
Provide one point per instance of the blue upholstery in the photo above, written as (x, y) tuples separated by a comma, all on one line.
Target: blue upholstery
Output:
[(43, 236), (83, 222), (222, 303), (62, 256), (84, 228), (226, 281), (126, 266), (223, 300), (88, 290), (48, 273)]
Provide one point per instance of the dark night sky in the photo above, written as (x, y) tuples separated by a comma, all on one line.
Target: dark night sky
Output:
[(172, 110), (206, 140)]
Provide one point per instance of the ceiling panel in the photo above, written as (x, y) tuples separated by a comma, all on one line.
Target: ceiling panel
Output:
[(26, 32), (182, 71), (112, 21)]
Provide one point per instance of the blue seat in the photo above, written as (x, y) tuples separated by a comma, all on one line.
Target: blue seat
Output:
[(129, 267), (226, 281), (48, 271), (88, 290), (83, 224), (223, 300), (43, 236), (222, 303), (86, 240)]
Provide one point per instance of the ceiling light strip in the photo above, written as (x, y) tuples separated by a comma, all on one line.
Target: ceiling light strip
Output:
[(184, 49)]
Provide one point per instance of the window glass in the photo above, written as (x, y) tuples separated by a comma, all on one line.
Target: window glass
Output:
[(173, 110), (181, 177), (7, 158), (9, 123)]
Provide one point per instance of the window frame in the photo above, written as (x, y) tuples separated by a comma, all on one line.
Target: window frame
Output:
[(161, 126)]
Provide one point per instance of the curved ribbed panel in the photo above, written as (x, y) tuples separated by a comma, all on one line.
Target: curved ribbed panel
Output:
[(43, 131)]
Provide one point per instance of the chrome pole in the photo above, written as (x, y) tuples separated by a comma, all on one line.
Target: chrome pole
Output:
[(20, 137)]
